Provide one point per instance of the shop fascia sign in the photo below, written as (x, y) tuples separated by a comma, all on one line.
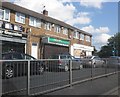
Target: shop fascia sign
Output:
[(56, 41), (10, 33), (14, 34), (83, 47)]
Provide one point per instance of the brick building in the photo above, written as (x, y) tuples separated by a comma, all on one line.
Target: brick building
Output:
[(39, 35)]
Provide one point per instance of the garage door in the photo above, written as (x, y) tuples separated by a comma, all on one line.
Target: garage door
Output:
[(53, 50)]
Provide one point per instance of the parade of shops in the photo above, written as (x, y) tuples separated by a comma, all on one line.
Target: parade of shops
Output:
[(39, 35)]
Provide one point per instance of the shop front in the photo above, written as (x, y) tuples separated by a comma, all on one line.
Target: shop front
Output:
[(79, 50), (12, 37), (54, 46)]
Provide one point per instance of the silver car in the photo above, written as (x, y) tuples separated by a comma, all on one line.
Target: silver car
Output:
[(113, 62), (92, 61), (62, 62)]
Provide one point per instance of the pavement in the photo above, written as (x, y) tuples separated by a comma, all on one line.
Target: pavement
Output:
[(106, 86)]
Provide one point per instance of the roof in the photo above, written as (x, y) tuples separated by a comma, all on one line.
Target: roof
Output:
[(25, 11)]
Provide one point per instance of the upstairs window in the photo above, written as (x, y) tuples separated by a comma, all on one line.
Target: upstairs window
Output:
[(76, 35), (65, 31), (34, 22), (81, 36), (88, 38), (57, 29), (48, 26), (20, 18), (5, 14)]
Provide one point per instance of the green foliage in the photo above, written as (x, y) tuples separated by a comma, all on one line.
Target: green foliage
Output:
[(112, 48)]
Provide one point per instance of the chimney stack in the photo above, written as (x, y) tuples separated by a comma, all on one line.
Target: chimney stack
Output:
[(45, 12)]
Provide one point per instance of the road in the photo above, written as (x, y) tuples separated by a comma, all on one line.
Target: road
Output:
[(49, 80), (103, 86)]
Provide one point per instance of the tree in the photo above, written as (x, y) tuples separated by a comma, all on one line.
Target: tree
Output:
[(112, 48), (105, 51), (95, 51), (114, 42)]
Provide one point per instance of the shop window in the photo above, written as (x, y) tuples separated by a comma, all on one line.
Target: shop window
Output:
[(48, 26), (34, 22), (20, 18), (5, 14)]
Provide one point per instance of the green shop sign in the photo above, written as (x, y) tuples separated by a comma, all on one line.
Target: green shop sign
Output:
[(58, 41)]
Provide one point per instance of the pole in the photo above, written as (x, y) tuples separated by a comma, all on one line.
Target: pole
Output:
[(28, 79), (70, 74), (91, 70)]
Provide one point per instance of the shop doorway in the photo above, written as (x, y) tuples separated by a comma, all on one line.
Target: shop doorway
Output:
[(50, 50)]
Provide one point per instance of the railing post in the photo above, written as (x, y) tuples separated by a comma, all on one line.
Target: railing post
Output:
[(91, 70), (70, 74), (0, 79), (106, 66), (28, 78), (116, 67)]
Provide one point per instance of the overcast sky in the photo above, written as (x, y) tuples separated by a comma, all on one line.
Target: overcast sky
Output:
[(98, 17)]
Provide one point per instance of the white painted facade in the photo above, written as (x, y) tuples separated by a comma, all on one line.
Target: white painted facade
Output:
[(77, 50)]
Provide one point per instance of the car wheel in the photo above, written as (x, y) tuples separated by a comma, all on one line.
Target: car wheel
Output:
[(9, 72), (66, 68), (41, 70), (94, 66), (81, 66)]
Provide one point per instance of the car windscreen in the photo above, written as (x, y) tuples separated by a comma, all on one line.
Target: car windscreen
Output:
[(6, 56), (88, 57), (25, 56), (54, 57), (17, 56), (63, 57)]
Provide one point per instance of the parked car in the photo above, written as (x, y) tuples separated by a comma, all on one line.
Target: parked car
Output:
[(113, 61), (62, 62), (92, 61), (15, 64)]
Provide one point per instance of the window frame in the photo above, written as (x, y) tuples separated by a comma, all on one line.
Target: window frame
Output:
[(76, 34), (36, 22), (21, 18), (87, 38), (65, 31), (3, 14), (48, 26), (57, 29), (82, 36)]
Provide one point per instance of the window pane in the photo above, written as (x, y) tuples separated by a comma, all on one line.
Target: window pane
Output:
[(4, 14), (1, 14), (31, 21), (77, 35), (65, 31), (17, 17), (7, 14), (20, 18), (88, 38), (38, 23), (81, 36)]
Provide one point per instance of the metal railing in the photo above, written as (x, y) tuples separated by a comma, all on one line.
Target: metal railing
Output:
[(31, 77)]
